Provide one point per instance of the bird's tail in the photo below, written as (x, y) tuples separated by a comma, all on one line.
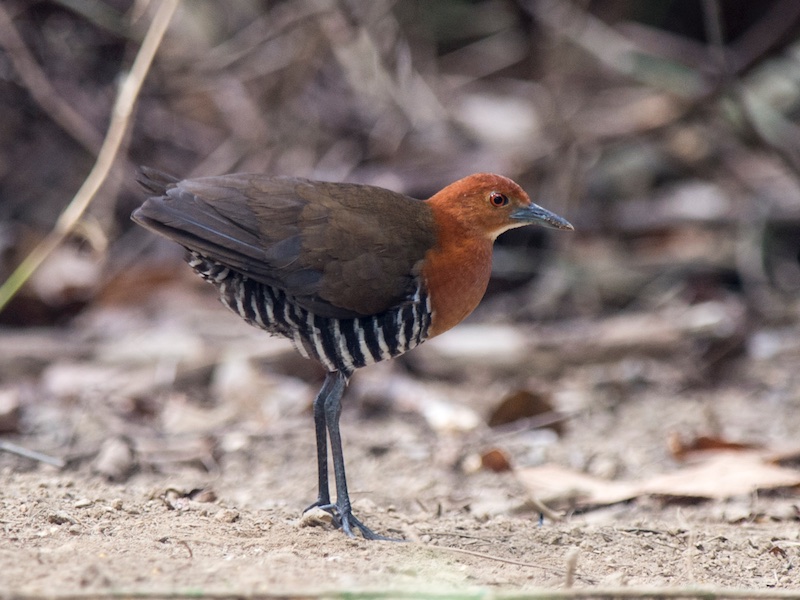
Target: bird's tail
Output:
[(155, 181)]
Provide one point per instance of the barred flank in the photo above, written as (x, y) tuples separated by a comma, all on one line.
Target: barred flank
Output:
[(339, 344)]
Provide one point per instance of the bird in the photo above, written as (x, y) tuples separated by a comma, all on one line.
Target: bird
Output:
[(352, 274)]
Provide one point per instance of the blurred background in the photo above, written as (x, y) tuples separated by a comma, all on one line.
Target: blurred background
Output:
[(666, 131)]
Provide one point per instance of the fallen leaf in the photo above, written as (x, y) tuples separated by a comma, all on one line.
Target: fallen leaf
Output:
[(523, 404), (495, 460), (720, 476), (786, 458), (557, 485), (434, 403), (779, 552), (165, 451), (682, 450)]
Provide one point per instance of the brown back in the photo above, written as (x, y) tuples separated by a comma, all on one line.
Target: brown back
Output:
[(339, 250)]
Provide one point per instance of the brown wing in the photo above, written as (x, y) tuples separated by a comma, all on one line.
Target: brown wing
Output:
[(341, 250)]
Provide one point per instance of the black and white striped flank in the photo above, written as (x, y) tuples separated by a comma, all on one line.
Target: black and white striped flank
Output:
[(339, 344)]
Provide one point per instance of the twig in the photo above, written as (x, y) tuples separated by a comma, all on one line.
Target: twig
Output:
[(509, 561), (774, 26), (525, 424), (538, 505), (187, 546), (632, 533), (607, 46), (120, 117), (32, 454), (461, 535), (716, 38), (572, 567), (788, 154), (99, 14)]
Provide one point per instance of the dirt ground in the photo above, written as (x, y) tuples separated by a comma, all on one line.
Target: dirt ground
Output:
[(189, 454)]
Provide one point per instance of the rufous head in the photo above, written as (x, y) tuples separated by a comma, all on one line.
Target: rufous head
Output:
[(489, 204)]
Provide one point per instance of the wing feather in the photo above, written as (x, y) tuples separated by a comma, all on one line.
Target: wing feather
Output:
[(324, 244)]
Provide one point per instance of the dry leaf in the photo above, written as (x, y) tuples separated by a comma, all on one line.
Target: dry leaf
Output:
[(557, 485), (786, 458), (523, 404), (166, 451), (704, 443), (495, 460), (434, 403), (720, 476)]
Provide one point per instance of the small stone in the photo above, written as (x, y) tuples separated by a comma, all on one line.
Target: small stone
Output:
[(226, 515), (60, 518), (316, 517), (471, 463), (115, 460)]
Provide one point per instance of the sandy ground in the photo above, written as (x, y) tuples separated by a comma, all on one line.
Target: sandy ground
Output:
[(209, 491)]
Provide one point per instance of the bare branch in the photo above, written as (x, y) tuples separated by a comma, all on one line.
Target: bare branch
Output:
[(120, 118)]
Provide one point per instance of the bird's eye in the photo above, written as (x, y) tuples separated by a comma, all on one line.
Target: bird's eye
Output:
[(497, 199)]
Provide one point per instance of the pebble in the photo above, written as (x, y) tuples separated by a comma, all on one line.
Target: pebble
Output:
[(227, 515)]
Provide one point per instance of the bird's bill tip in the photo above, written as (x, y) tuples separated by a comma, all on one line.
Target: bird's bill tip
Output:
[(535, 214)]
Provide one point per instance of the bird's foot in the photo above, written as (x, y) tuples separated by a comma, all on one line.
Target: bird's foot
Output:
[(344, 519), (350, 523), (321, 502)]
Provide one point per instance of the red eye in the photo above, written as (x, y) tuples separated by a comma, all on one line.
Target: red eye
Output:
[(497, 199)]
